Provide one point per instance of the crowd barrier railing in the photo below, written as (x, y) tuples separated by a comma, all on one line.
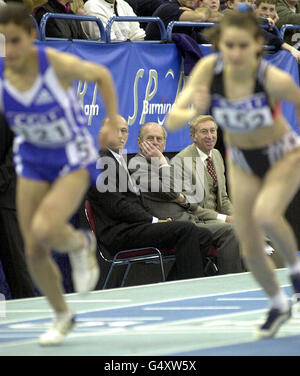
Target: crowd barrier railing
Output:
[(288, 27), (173, 24), (163, 34), (166, 33), (148, 77), (47, 16), (38, 36)]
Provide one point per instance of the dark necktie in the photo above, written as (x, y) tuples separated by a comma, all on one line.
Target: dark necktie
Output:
[(211, 170), (130, 180)]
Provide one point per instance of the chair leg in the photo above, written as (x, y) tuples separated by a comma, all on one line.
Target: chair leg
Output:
[(125, 274), (162, 269), (108, 276), (215, 267), (210, 268)]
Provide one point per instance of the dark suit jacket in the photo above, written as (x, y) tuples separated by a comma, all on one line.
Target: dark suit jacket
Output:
[(7, 171), (115, 212), (159, 190)]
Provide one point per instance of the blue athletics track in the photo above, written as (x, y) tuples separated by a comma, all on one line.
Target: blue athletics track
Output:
[(200, 317)]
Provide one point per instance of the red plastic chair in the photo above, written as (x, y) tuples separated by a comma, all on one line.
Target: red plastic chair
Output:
[(131, 256), (211, 267)]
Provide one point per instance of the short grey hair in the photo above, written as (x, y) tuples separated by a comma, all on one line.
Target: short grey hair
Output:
[(152, 123), (198, 120)]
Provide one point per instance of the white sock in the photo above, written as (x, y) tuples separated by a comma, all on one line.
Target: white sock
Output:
[(64, 315), (295, 268), (280, 301)]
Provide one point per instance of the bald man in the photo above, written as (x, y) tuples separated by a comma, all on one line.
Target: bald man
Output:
[(123, 221), (166, 200)]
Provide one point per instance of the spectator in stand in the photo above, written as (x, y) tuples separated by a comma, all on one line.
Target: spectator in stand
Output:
[(32, 4), (266, 12), (179, 10), (216, 207), (221, 7), (105, 9), (215, 7), (145, 8), (289, 13), (268, 9), (123, 220), (164, 200), (233, 4), (134, 5), (77, 7), (57, 28)]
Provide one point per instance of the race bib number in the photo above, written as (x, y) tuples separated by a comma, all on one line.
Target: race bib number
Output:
[(248, 114), (51, 134), (82, 150)]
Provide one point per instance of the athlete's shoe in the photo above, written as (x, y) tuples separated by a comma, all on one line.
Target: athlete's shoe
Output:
[(85, 269), (295, 279), (275, 318), (57, 332)]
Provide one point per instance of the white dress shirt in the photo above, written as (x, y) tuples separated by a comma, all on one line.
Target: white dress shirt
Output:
[(105, 10), (203, 156)]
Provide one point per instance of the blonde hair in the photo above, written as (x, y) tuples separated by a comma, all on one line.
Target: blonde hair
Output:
[(198, 120), (76, 4)]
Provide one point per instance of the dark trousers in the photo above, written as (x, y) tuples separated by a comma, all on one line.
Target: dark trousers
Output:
[(228, 255), (12, 256), (190, 243)]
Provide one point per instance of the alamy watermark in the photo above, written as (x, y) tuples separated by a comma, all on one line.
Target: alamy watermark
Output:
[(2, 306), (2, 46), (296, 39), (179, 175)]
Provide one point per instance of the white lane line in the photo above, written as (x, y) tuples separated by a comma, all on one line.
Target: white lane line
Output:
[(111, 319), (200, 319), (190, 308), (101, 301), (240, 299), (28, 311)]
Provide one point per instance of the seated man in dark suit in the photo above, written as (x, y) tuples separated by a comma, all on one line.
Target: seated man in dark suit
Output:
[(12, 255), (123, 221), (164, 199)]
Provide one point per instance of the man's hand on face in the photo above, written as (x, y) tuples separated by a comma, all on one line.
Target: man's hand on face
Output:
[(152, 153)]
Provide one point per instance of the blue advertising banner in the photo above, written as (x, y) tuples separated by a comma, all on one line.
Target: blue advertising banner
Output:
[(148, 77), (285, 61)]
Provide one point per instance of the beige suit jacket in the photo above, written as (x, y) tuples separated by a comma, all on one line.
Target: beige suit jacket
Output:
[(224, 205)]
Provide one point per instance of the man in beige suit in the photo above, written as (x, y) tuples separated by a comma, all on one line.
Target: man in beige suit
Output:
[(215, 205), (150, 166)]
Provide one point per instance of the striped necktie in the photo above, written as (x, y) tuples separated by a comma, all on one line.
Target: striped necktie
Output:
[(211, 170)]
